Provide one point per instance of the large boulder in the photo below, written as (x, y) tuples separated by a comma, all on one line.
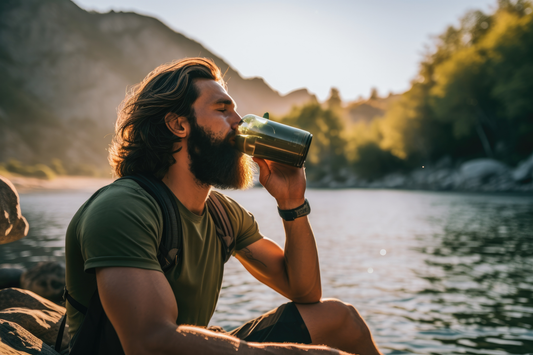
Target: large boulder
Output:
[(15, 340), (13, 226), (42, 324), (34, 314), (524, 170), (484, 175), (47, 279), (19, 298), (482, 169)]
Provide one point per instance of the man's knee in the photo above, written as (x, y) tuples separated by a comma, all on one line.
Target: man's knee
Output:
[(346, 316)]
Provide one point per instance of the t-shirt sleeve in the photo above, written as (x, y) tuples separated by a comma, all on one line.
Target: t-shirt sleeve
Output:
[(243, 222), (121, 228)]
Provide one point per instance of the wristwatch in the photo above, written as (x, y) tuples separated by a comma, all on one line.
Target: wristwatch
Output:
[(291, 215)]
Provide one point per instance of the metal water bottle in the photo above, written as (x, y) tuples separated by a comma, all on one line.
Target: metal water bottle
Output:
[(262, 138)]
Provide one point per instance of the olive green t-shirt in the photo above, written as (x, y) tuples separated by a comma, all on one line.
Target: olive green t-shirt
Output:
[(122, 226)]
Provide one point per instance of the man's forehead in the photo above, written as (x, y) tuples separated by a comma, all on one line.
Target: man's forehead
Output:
[(212, 92)]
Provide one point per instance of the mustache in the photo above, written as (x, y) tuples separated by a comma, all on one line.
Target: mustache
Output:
[(231, 134)]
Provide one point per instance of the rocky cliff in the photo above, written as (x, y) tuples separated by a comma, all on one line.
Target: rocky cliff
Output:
[(64, 71)]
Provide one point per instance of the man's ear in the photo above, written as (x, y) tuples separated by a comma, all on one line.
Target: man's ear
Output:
[(179, 125)]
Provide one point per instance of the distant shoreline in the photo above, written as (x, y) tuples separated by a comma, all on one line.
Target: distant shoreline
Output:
[(29, 184)]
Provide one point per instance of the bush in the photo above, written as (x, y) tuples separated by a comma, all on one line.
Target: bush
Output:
[(57, 166), (40, 171), (3, 170), (83, 170), (373, 162), (16, 167)]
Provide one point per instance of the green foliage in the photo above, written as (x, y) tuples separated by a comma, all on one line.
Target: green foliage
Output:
[(373, 162), (82, 169), (40, 171), (472, 97), (4, 171), (43, 171), (57, 166), (334, 151), (327, 153), (334, 102)]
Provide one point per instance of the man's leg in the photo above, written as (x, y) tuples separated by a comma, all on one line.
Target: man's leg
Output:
[(339, 325), (281, 325)]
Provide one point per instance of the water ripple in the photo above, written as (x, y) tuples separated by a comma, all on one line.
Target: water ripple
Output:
[(455, 277)]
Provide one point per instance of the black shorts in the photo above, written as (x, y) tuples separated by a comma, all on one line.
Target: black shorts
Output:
[(281, 325)]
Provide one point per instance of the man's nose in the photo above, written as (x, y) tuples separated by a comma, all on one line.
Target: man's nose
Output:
[(236, 121)]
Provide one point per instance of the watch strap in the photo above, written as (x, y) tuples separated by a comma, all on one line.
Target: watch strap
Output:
[(291, 215)]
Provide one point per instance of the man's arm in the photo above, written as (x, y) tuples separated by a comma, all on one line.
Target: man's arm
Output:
[(142, 308), (293, 272)]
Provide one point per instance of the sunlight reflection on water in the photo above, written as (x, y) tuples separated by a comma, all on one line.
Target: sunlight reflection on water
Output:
[(432, 273)]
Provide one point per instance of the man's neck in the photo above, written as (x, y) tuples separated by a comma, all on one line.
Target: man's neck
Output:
[(184, 185)]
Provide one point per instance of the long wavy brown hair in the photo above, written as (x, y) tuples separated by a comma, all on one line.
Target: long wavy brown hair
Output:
[(142, 142)]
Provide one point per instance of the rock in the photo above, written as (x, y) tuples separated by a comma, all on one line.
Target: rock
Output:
[(18, 298), (42, 324), (35, 314), (444, 163), (482, 169), (524, 170), (47, 279), (442, 179), (10, 277), (419, 177), (484, 175), (13, 226), (394, 180), (15, 340)]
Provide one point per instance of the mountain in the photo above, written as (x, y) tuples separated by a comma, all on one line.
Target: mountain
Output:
[(64, 71), (367, 110)]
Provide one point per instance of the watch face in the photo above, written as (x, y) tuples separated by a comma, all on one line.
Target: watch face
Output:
[(291, 215), (304, 210)]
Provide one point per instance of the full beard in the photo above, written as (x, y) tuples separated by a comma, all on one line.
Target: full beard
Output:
[(215, 162)]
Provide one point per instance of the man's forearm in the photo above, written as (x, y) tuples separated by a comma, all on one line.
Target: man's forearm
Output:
[(301, 261), (301, 273), (193, 340)]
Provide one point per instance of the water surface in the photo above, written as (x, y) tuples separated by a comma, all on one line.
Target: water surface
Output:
[(432, 273)]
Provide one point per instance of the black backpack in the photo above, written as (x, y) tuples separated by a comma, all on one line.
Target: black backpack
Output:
[(96, 335)]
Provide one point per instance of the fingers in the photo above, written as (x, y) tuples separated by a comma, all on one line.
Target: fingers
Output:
[(263, 166)]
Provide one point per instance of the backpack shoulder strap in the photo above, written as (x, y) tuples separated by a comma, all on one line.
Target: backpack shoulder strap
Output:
[(223, 225), (171, 246)]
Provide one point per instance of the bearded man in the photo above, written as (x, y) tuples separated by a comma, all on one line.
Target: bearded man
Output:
[(178, 125)]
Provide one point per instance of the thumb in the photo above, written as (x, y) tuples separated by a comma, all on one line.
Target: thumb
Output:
[(261, 162)]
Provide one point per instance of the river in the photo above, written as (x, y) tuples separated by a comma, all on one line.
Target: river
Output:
[(431, 272)]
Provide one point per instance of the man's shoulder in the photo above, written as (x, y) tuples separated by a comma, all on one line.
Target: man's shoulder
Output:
[(124, 188), (122, 196)]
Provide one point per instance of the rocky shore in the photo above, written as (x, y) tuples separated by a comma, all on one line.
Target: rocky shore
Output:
[(25, 184), (29, 317), (486, 175), (29, 323)]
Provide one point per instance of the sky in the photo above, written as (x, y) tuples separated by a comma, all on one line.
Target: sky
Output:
[(352, 45)]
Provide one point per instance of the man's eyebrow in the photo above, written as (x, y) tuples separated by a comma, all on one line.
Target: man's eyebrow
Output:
[(226, 102)]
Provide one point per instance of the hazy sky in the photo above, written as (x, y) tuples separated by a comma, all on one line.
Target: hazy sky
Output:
[(352, 45)]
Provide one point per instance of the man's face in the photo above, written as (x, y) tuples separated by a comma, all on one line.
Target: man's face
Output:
[(215, 110), (213, 159)]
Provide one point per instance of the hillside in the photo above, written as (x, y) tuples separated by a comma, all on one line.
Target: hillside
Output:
[(64, 71), (367, 110)]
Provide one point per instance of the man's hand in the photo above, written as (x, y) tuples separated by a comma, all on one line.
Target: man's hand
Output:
[(294, 272), (285, 183), (142, 308)]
